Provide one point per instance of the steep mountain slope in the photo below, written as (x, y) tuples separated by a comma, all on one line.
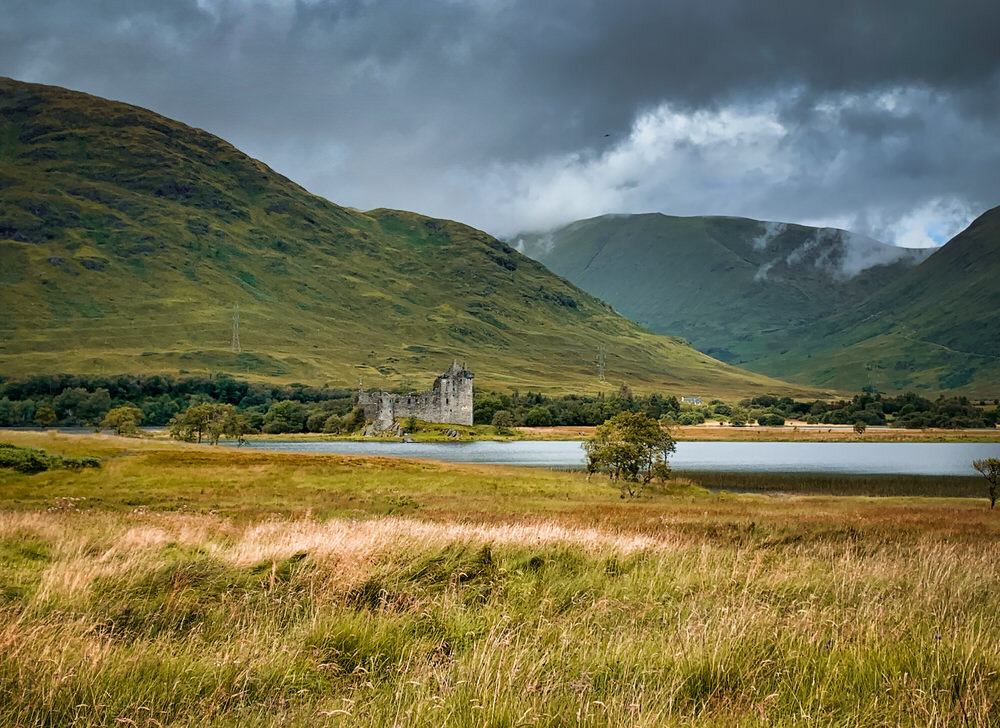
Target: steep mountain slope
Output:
[(804, 304), (127, 239), (936, 327), (731, 286)]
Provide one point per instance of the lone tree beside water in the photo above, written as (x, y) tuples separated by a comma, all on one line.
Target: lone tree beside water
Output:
[(503, 421), (123, 420), (632, 448), (990, 468)]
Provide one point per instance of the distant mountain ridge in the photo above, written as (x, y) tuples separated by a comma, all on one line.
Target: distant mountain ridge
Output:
[(719, 282), (935, 327), (843, 254), (127, 239), (814, 305)]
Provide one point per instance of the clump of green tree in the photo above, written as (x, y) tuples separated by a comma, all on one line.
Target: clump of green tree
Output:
[(83, 401), (352, 421), (872, 409), (285, 416), (738, 416), (770, 419), (906, 410), (211, 422), (123, 420), (633, 449), (32, 460), (45, 416), (538, 410), (503, 422)]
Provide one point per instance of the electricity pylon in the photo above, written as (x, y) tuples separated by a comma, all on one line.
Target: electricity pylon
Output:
[(236, 328)]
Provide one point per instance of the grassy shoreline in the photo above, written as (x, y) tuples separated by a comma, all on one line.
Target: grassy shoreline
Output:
[(788, 433), (190, 585), (703, 433), (804, 433)]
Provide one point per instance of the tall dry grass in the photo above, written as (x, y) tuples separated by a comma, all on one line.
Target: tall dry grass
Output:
[(156, 619), (181, 586)]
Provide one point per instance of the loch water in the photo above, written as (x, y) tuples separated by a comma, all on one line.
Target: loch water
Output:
[(910, 458)]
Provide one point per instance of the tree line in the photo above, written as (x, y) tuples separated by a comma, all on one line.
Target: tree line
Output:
[(84, 401), (157, 400), (907, 410)]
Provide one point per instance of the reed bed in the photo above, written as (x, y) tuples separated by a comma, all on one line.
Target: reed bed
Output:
[(928, 486)]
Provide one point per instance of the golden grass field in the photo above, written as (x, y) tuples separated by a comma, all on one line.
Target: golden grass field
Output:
[(181, 585)]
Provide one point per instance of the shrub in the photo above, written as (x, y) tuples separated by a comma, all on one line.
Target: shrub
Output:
[(738, 417), (691, 417), (23, 459), (503, 421), (316, 421), (333, 424), (284, 416), (30, 460), (80, 463), (771, 419), (539, 416)]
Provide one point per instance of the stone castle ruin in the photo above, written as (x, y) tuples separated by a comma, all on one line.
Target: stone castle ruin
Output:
[(449, 401)]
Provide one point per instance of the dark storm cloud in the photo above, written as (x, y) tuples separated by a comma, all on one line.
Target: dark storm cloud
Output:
[(467, 108)]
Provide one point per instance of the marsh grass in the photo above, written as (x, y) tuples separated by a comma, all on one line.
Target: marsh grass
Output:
[(554, 604), (930, 486)]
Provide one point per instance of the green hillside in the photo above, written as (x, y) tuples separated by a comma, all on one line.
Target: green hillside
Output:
[(804, 304), (731, 286), (934, 328), (127, 239)]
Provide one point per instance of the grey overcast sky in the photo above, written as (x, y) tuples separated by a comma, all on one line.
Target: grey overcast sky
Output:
[(880, 116)]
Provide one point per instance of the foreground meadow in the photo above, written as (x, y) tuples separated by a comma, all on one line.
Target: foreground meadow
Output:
[(179, 585)]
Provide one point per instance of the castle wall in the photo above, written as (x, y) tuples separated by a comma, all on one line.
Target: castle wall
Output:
[(449, 401)]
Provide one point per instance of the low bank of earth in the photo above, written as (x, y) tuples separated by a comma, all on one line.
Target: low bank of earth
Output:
[(789, 433)]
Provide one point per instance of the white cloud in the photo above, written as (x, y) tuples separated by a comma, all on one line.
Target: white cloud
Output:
[(672, 161), (494, 112), (748, 160), (932, 223)]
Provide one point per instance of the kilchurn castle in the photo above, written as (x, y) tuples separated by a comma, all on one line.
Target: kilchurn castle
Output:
[(450, 400)]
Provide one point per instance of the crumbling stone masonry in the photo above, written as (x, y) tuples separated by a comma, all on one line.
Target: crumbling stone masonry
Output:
[(450, 400)]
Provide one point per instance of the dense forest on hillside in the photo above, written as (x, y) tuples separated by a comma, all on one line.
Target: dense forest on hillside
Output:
[(81, 401)]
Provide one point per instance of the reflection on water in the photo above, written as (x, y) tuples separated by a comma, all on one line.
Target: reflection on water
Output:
[(912, 458)]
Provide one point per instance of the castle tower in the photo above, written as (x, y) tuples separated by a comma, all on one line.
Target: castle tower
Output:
[(452, 395)]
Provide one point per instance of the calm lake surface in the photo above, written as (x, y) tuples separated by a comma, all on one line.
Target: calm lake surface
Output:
[(911, 458)]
